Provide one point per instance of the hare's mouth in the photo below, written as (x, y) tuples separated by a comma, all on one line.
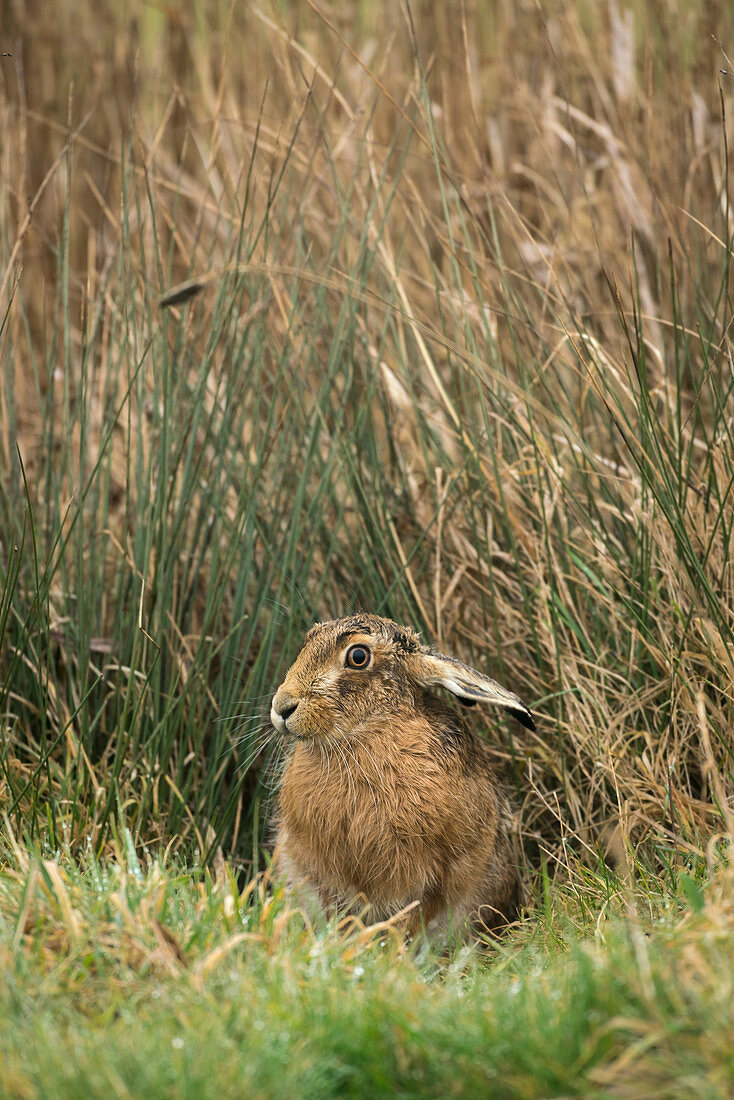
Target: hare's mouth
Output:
[(281, 725)]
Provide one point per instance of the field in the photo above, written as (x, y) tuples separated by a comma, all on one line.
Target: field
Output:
[(420, 309)]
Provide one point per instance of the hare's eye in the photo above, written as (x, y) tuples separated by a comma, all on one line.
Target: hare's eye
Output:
[(357, 656)]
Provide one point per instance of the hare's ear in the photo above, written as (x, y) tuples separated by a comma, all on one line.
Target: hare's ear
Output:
[(436, 670)]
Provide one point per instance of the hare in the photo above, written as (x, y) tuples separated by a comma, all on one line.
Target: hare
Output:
[(387, 799)]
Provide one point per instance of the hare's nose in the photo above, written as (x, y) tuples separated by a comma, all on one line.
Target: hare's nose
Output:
[(284, 705)]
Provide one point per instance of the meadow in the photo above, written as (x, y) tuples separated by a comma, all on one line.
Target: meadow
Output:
[(420, 309)]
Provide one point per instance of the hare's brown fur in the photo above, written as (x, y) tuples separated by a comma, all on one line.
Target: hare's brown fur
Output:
[(388, 798)]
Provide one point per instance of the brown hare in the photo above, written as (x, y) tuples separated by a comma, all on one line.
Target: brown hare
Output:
[(387, 799)]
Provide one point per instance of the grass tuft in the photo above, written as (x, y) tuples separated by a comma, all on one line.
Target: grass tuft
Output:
[(171, 984)]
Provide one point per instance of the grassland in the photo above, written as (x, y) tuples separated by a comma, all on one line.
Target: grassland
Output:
[(126, 980), (425, 310)]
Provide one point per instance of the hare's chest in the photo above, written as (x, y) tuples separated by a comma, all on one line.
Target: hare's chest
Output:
[(354, 828)]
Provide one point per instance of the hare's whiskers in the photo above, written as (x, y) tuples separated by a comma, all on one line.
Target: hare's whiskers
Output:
[(243, 702), (273, 772), (256, 724), (256, 748)]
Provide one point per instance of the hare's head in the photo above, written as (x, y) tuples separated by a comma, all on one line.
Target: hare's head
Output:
[(356, 671)]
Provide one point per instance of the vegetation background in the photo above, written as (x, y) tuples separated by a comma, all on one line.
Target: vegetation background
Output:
[(425, 309)]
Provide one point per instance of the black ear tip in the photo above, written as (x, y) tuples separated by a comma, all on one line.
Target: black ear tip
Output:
[(466, 702), (525, 718)]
